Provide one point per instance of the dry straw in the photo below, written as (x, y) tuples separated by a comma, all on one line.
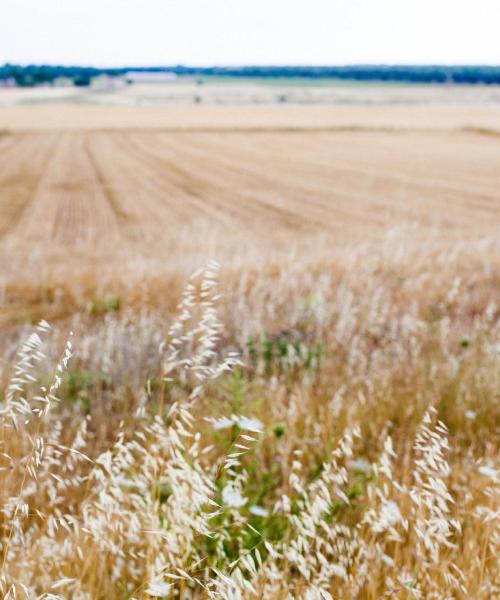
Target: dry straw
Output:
[(304, 474)]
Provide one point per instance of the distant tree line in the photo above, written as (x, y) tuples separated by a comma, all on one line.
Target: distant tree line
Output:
[(32, 75)]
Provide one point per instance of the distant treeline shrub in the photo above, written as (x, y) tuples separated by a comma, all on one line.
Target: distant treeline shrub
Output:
[(30, 75)]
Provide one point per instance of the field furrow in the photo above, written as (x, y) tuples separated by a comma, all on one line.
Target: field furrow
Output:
[(165, 194), (69, 205), (22, 168)]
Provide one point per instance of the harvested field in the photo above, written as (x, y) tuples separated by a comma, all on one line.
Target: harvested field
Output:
[(89, 117), (144, 188), (76, 204)]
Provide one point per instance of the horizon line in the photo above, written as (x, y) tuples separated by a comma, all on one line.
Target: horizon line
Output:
[(251, 65)]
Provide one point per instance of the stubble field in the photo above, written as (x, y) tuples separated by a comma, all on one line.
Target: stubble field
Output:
[(327, 427), (245, 185)]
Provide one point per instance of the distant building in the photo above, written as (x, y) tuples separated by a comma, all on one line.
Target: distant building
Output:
[(150, 77)]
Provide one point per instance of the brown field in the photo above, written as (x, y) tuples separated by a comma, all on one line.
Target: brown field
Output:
[(101, 186), (354, 452), (143, 188)]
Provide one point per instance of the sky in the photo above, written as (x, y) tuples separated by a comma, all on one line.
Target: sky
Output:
[(236, 32)]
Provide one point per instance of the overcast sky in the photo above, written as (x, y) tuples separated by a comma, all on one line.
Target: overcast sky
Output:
[(232, 32)]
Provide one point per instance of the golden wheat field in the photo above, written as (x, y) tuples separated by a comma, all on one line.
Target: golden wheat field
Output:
[(272, 368)]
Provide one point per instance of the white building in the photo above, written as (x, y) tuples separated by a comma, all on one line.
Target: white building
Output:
[(150, 77)]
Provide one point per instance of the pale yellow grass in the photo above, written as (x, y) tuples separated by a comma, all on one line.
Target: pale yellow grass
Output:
[(360, 278)]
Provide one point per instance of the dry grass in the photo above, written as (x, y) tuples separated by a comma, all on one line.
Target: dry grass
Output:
[(366, 465), (328, 428)]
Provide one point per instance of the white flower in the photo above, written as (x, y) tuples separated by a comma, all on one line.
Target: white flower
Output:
[(488, 472), (247, 423), (222, 423), (361, 465), (258, 511), (470, 414), (232, 497), (159, 589), (391, 512), (250, 424)]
